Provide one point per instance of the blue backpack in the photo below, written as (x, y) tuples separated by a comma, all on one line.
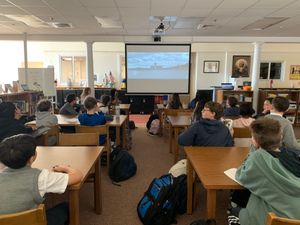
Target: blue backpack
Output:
[(159, 204), (122, 165)]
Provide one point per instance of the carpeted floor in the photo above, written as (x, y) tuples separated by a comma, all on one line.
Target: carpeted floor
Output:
[(120, 202), (139, 119)]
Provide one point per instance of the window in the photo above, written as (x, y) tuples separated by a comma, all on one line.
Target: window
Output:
[(270, 70), (73, 68)]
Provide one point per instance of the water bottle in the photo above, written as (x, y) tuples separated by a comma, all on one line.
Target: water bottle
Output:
[(117, 111)]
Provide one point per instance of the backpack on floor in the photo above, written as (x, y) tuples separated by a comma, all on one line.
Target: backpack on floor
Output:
[(182, 194), (132, 125), (122, 165), (154, 127), (159, 203), (151, 118)]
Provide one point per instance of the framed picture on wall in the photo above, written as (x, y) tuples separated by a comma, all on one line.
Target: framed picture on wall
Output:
[(241, 66), (211, 66)]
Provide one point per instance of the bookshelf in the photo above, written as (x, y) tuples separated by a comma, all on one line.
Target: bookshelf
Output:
[(293, 95), (242, 96), (26, 101)]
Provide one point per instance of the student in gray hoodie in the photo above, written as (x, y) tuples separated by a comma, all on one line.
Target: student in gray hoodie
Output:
[(45, 117)]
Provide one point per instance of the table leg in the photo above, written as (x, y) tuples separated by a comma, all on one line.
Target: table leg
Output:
[(97, 188), (124, 135), (118, 139), (211, 203), (170, 138), (189, 187), (175, 144), (74, 207)]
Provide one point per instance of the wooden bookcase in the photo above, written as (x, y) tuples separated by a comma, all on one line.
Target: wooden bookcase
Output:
[(25, 100), (242, 96), (293, 113)]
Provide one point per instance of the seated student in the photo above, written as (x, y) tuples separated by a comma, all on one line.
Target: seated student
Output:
[(10, 122), (23, 187), (280, 106), (175, 102), (192, 104), (93, 116), (267, 107), (69, 107), (85, 92), (44, 117), (104, 104), (231, 107), (208, 131), (197, 113), (271, 175)]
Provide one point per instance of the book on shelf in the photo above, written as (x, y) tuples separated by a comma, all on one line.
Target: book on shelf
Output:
[(22, 105)]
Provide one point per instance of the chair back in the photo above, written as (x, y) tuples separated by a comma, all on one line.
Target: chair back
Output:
[(43, 139), (98, 130), (29, 217), (241, 132), (80, 139), (272, 219)]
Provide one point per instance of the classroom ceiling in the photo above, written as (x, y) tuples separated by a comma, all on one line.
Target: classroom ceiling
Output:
[(252, 18)]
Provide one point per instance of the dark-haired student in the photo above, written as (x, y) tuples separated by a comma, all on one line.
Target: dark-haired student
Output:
[(23, 187), (279, 106), (208, 130), (231, 107), (69, 107), (93, 116), (175, 102), (10, 122), (271, 174)]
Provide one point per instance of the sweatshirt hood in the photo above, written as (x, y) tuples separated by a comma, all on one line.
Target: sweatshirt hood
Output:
[(42, 115), (211, 126)]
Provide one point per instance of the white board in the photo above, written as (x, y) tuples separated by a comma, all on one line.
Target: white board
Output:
[(38, 79)]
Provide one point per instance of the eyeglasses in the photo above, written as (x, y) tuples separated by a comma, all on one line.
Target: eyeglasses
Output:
[(204, 110)]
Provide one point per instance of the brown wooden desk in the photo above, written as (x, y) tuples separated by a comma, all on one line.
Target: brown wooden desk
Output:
[(209, 163), (177, 123), (125, 107), (73, 121), (81, 158)]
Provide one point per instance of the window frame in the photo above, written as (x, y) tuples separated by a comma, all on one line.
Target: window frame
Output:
[(73, 68), (269, 70)]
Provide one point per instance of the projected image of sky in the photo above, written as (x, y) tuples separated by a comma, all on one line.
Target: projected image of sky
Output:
[(157, 65)]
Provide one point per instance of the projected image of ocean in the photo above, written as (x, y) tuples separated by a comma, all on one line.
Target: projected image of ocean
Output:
[(158, 65)]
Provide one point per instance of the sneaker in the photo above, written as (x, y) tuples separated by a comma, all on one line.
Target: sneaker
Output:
[(151, 134)]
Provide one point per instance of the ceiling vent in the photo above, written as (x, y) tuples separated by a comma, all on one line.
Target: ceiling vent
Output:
[(60, 25), (109, 22), (29, 20), (264, 23), (205, 26), (187, 22)]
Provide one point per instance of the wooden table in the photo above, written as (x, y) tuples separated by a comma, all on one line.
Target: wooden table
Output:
[(81, 158), (209, 163), (125, 107), (64, 120), (177, 123)]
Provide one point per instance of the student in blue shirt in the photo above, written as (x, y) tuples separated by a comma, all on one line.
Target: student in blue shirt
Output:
[(93, 116)]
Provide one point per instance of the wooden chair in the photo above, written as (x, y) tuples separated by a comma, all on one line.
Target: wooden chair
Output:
[(81, 139), (29, 217), (241, 132), (44, 139), (98, 130), (272, 219)]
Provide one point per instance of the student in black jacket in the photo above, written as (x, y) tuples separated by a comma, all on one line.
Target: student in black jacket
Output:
[(10, 122), (209, 130)]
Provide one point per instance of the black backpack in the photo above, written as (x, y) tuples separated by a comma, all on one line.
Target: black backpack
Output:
[(122, 165), (159, 204), (204, 222), (182, 194)]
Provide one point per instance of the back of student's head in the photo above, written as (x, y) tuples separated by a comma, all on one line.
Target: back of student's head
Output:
[(246, 110), (71, 97), (105, 99), (267, 133), (15, 151), (7, 110), (44, 105), (232, 101), (216, 108), (280, 104), (113, 92), (90, 102)]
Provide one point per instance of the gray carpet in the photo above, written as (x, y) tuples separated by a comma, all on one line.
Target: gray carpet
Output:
[(119, 203)]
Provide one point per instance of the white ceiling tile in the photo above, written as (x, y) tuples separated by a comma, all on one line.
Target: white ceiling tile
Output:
[(286, 13), (295, 5), (231, 4), (99, 3), (258, 12), (272, 3), (202, 4), (226, 12), (12, 10), (4, 2), (167, 4), (195, 12), (164, 12), (45, 11), (100, 11), (4, 18), (133, 3), (134, 12), (28, 2)]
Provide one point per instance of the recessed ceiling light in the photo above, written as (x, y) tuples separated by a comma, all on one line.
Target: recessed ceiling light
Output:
[(264, 23), (109, 22)]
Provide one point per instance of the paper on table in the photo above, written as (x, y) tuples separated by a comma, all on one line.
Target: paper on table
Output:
[(231, 174)]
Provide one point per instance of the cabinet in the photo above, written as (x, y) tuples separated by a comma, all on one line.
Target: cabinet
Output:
[(242, 96), (293, 95), (26, 101)]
